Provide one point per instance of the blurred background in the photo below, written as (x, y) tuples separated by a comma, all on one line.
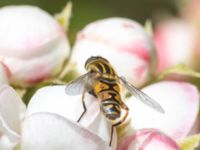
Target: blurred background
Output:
[(86, 11)]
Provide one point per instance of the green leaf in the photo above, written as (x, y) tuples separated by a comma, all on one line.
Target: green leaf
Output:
[(190, 143), (180, 69)]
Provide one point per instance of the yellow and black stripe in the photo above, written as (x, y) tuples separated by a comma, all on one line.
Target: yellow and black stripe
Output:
[(110, 98), (107, 88)]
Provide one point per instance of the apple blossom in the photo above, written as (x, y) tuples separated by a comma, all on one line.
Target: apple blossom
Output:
[(175, 42), (33, 44), (50, 122), (148, 139), (180, 100), (122, 41)]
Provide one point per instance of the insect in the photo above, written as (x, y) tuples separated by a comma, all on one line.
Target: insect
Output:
[(102, 82)]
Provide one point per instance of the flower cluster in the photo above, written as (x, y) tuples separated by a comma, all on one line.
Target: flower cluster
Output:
[(37, 54)]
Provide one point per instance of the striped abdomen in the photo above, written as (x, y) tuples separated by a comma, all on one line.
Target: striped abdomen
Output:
[(107, 91)]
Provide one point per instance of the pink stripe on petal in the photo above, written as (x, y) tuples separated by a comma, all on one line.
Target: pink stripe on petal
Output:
[(37, 79), (7, 70), (138, 49), (128, 25), (140, 71)]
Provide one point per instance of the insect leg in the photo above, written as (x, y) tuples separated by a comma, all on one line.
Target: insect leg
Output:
[(123, 105), (118, 123), (84, 106)]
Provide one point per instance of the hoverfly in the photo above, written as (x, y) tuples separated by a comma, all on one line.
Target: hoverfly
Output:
[(103, 83)]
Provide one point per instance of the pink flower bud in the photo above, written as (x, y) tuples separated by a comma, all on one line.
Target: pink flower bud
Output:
[(148, 139), (122, 41), (33, 45), (174, 40)]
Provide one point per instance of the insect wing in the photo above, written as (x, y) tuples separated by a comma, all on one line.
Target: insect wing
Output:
[(141, 96), (78, 85)]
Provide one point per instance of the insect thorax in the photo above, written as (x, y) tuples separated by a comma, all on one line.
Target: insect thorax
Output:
[(100, 65)]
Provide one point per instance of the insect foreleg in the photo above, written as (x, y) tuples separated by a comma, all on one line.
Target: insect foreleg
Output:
[(118, 123), (84, 106)]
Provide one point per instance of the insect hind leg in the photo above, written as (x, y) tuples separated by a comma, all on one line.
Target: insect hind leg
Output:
[(84, 106), (118, 123)]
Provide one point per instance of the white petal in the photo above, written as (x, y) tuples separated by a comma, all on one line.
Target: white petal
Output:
[(46, 131), (12, 111), (8, 138), (54, 99), (180, 101), (12, 108)]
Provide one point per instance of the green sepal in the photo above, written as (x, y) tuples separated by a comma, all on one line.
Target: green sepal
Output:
[(180, 69), (148, 27), (64, 16), (190, 143)]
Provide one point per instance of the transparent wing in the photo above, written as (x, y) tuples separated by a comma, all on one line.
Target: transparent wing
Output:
[(78, 85), (141, 96)]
